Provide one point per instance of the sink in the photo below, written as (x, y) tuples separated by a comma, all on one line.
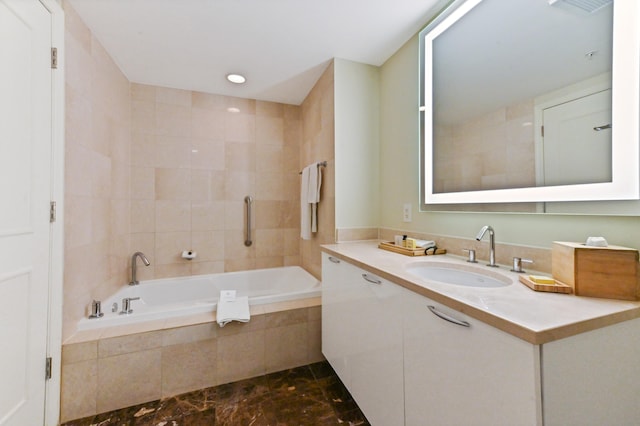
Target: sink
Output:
[(456, 276)]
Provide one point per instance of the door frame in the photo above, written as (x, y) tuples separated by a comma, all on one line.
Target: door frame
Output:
[(549, 100), (56, 242)]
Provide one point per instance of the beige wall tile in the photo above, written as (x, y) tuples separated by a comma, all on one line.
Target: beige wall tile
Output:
[(241, 356), (207, 154), (189, 334), (127, 344), (79, 384), (203, 268), (170, 245), (314, 344), (209, 245), (173, 184), (207, 123), (269, 130), (172, 215), (129, 379), (171, 96), (286, 347), (269, 262), (270, 109), (240, 157), (240, 128), (286, 317), (188, 367), (233, 265), (173, 270), (208, 216), (72, 353), (269, 242)]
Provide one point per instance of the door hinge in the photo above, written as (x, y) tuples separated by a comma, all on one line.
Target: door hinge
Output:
[(542, 131), (52, 212), (54, 58), (47, 371)]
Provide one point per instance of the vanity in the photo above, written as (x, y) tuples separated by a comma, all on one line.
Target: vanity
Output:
[(419, 351)]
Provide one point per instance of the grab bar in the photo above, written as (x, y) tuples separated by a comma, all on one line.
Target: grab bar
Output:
[(248, 200)]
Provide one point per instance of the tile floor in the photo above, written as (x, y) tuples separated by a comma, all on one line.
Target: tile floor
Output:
[(308, 395)]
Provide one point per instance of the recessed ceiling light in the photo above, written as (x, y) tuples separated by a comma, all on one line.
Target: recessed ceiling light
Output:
[(233, 110), (236, 78)]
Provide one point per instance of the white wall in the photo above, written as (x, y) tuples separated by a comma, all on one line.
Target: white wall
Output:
[(357, 144)]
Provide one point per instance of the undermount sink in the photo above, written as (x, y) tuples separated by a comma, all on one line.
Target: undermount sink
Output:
[(455, 276)]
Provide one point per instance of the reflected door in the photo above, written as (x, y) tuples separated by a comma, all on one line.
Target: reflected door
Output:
[(577, 141), (25, 165)]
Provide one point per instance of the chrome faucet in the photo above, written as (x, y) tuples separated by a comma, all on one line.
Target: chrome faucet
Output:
[(134, 279), (492, 244)]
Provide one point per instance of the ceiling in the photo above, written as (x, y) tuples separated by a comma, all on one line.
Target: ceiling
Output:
[(281, 46)]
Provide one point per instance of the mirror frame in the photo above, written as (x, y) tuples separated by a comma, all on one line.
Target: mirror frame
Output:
[(625, 184)]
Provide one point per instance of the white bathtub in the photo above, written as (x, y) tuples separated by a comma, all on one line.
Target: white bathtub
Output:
[(172, 297)]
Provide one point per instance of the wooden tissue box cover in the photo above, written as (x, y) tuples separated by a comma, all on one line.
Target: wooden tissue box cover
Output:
[(610, 272)]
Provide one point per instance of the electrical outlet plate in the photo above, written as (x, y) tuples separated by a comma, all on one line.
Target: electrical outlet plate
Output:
[(406, 212)]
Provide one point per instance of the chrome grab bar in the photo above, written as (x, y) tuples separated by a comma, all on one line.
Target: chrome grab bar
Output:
[(248, 200), (448, 317)]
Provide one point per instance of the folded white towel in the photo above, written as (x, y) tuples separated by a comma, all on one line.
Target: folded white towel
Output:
[(305, 207), (232, 308)]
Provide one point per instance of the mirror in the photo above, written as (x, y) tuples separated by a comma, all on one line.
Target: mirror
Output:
[(496, 71)]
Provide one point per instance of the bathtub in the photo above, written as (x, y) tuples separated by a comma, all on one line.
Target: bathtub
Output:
[(174, 297)]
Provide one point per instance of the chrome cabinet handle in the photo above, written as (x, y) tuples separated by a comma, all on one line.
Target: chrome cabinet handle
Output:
[(248, 200), (333, 259), (448, 317), (371, 280)]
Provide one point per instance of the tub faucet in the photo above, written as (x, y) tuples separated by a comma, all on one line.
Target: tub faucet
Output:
[(492, 244), (134, 279)]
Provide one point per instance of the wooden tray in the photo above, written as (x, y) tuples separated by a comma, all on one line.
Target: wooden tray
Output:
[(408, 252), (558, 287)]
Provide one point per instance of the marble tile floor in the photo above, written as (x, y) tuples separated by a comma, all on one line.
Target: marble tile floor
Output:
[(310, 395)]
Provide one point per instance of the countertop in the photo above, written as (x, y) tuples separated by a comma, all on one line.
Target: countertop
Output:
[(536, 317)]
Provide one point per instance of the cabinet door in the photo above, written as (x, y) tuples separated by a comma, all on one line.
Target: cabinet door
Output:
[(337, 333), (362, 338), (462, 375)]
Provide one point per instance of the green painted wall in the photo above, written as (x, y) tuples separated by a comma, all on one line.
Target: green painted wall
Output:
[(399, 178), (357, 143)]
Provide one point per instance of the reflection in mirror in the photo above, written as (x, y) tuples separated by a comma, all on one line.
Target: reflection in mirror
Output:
[(518, 103), (488, 82)]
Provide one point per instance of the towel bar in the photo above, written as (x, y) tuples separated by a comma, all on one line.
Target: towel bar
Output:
[(319, 164)]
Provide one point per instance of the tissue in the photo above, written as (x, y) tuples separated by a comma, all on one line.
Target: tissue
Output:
[(597, 242)]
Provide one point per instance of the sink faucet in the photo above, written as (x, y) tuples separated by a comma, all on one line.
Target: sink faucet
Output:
[(134, 279), (492, 244)]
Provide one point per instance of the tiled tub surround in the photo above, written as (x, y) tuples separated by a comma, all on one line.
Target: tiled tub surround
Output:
[(117, 367)]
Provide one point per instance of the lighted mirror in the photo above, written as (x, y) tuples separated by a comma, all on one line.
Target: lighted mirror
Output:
[(529, 101)]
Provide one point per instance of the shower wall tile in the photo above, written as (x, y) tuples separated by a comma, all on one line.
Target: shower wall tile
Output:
[(98, 142), (194, 158), (317, 136)]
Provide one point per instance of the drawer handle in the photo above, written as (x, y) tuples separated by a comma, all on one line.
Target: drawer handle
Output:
[(448, 317), (371, 280), (333, 259)]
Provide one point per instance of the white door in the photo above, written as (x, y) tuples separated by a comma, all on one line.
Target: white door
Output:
[(577, 141), (25, 166)]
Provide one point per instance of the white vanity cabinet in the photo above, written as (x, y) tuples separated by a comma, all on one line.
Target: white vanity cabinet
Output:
[(409, 360), (362, 338), (460, 371)]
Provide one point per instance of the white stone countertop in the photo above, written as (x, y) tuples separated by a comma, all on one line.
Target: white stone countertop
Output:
[(537, 317)]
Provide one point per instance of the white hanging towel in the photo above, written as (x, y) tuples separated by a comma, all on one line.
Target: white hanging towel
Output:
[(232, 308), (309, 199)]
